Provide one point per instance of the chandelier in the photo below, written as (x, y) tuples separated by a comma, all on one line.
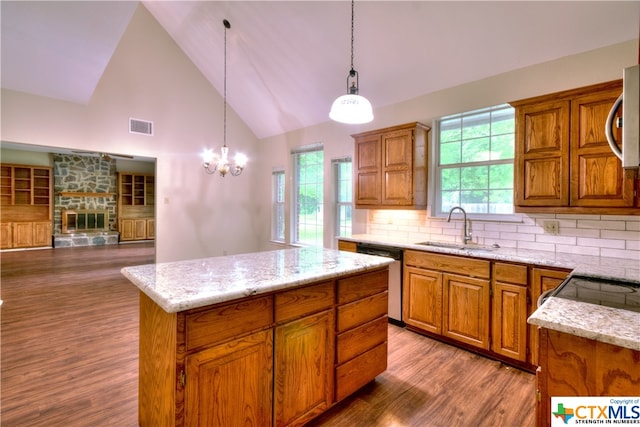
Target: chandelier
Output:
[(220, 162), (351, 108)]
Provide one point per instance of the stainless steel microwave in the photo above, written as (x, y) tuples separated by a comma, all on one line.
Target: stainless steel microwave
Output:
[(630, 120)]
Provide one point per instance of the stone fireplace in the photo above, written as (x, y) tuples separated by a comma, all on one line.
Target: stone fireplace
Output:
[(85, 201)]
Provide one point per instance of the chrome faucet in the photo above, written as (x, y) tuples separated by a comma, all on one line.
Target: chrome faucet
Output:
[(466, 237)]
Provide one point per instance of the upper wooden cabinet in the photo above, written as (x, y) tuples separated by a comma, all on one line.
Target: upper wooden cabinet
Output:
[(563, 163), (391, 167)]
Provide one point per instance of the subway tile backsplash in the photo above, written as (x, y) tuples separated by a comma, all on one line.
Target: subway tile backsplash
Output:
[(597, 235)]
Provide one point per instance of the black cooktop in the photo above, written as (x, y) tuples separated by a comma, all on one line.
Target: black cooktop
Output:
[(610, 293)]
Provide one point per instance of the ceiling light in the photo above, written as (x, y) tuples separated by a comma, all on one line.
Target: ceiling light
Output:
[(351, 108), (220, 162)]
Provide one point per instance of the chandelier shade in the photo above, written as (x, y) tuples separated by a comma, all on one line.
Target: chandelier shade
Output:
[(214, 162)]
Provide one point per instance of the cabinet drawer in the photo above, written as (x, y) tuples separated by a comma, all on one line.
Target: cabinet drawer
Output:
[(362, 311), (448, 263), (364, 285), (510, 273), (229, 321), (359, 371), (303, 301), (360, 339)]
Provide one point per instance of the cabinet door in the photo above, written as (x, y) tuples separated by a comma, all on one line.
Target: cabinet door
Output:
[(466, 310), (542, 154), (397, 168), (509, 321), (214, 393), (22, 234), (367, 174), (304, 356), (542, 279), (422, 299), (151, 229), (6, 235), (597, 177), (41, 233), (140, 229), (127, 229)]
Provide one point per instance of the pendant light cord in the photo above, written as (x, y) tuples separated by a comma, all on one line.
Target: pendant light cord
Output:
[(226, 25), (352, 12)]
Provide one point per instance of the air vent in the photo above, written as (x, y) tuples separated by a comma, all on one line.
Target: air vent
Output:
[(142, 127)]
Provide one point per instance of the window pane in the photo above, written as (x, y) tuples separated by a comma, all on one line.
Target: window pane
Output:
[(502, 147), (476, 125), (474, 177), (501, 176), (450, 153), (476, 150), (450, 179), (450, 130), (277, 214)]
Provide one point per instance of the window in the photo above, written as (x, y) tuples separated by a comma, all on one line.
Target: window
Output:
[(308, 173), (342, 173), (277, 200), (475, 152)]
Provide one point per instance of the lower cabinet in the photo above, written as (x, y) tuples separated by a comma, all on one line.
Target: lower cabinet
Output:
[(280, 359), (137, 229), (26, 234), (509, 310), (541, 280), (210, 397), (448, 295), (577, 366)]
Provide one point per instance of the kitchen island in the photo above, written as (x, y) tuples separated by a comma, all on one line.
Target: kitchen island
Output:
[(267, 338)]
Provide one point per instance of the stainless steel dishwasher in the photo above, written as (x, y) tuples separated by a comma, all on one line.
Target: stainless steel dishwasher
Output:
[(395, 276)]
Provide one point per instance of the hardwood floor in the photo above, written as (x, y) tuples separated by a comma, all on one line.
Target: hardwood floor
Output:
[(69, 355)]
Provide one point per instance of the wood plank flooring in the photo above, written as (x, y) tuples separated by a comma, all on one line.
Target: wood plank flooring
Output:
[(69, 355)]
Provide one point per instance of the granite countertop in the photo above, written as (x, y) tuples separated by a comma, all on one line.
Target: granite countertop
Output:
[(182, 285), (610, 325)]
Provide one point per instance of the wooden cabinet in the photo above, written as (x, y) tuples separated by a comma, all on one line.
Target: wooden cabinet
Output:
[(278, 359), (361, 331), (344, 245), (509, 310), (218, 369), (563, 163), (541, 279), (422, 299), (576, 366), (25, 206), (304, 353), (136, 202), (448, 295), (28, 234), (391, 167)]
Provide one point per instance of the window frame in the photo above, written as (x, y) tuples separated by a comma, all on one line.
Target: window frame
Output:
[(295, 190), (277, 205), (436, 205), (335, 166)]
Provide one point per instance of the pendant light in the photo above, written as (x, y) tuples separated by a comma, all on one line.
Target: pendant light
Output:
[(220, 162), (351, 108)]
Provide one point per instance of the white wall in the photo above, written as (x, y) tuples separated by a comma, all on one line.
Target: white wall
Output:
[(149, 78), (570, 72)]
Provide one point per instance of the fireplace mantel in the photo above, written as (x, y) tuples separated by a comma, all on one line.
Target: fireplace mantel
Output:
[(84, 194)]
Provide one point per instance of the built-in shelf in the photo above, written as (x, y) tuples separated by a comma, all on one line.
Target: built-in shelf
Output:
[(84, 194)]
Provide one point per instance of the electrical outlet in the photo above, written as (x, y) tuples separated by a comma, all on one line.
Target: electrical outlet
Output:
[(551, 227)]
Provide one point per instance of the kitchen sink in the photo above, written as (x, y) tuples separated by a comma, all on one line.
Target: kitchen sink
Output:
[(459, 246)]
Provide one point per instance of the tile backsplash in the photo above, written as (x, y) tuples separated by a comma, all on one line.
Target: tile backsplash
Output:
[(598, 235)]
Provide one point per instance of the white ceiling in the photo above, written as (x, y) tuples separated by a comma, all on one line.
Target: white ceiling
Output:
[(288, 60)]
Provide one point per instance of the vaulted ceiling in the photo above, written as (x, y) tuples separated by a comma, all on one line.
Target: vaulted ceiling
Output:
[(288, 60)]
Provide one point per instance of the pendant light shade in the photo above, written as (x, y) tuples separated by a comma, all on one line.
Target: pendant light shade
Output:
[(351, 108)]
